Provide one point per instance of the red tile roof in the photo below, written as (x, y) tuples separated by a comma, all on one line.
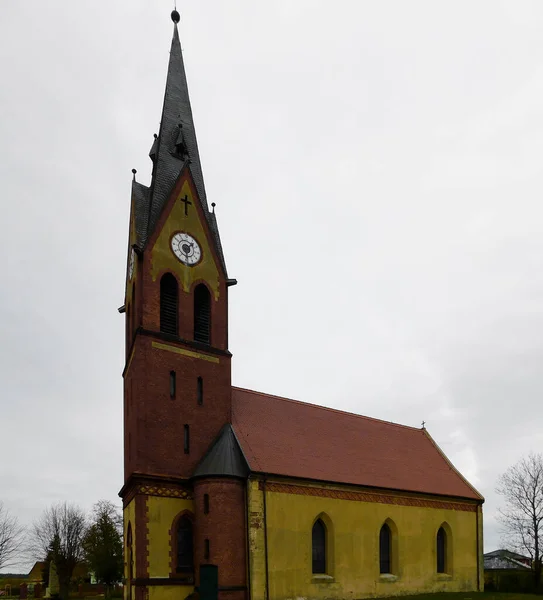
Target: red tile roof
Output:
[(295, 439)]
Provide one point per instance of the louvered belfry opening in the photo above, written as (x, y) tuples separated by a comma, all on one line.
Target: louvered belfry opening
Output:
[(202, 314), (168, 304)]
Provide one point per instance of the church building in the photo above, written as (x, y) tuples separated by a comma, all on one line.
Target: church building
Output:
[(267, 497)]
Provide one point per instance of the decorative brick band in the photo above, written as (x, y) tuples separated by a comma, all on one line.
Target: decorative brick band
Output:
[(185, 352), (164, 491), (286, 488)]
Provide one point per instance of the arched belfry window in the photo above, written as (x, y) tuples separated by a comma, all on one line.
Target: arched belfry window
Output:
[(168, 304), (385, 549), (202, 314), (318, 543), (441, 542), (184, 546)]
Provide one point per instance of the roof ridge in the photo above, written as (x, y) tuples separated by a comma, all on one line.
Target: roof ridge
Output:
[(335, 410)]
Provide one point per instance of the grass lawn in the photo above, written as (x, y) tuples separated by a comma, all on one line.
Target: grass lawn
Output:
[(469, 596)]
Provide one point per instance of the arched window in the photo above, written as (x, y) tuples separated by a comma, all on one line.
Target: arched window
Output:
[(184, 544), (385, 549), (200, 391), (441, 541), (202, 314), (168, 304), (318, 543)]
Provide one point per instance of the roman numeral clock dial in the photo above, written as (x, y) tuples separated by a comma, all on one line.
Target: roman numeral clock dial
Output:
[(186, 248)]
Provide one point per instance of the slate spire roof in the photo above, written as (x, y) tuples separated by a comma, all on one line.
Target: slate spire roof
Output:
[(173, 149)]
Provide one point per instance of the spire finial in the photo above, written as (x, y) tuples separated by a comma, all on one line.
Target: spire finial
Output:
[(213, 205), (134, 174), (176, 17)]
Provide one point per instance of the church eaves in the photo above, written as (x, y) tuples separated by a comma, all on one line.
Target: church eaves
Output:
[(173, 149)]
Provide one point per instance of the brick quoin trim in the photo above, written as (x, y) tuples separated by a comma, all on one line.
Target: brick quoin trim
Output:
[(142, 537), (142, 548), (285, 488)]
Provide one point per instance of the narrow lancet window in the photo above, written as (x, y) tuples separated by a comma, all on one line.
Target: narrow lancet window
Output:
[(172, 384), (184, 543), (385, 547), (186, 441), (441, 550), (202, 314), (168, 304), (318, 542), (200, 391)]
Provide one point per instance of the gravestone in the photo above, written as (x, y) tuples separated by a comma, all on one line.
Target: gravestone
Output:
[(54, 585)]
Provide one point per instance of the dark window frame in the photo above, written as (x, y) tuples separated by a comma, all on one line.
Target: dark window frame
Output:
[(202, 314), (441, 550), (173, 384), (184, 545), (385, 550), (200, 391), (169, 304), (318, 547), (186, 439)]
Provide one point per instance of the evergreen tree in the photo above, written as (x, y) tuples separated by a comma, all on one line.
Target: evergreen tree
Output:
[(103, 544)]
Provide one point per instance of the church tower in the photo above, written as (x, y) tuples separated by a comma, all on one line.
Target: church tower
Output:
[(180, 509)]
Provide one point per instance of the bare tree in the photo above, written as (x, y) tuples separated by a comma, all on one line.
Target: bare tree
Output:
[(522, 518), (58, 535), (10, 537)]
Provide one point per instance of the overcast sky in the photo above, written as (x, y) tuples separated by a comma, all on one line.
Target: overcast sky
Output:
[(378, 173)]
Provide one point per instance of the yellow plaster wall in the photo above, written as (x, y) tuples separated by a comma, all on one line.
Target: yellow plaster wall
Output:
[(257, 561), (162, 512), (129, 516), (355, 548), (170, 592), (162, 257)]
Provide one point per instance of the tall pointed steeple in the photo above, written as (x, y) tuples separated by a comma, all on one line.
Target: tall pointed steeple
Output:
[(175, 147), (177, 137)]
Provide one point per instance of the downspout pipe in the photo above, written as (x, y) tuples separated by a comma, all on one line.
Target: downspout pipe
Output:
[(247, 537), (478, 548), (266, 539)]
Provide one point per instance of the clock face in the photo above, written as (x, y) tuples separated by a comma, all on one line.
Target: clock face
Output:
[(186, 248), (131, 263)]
